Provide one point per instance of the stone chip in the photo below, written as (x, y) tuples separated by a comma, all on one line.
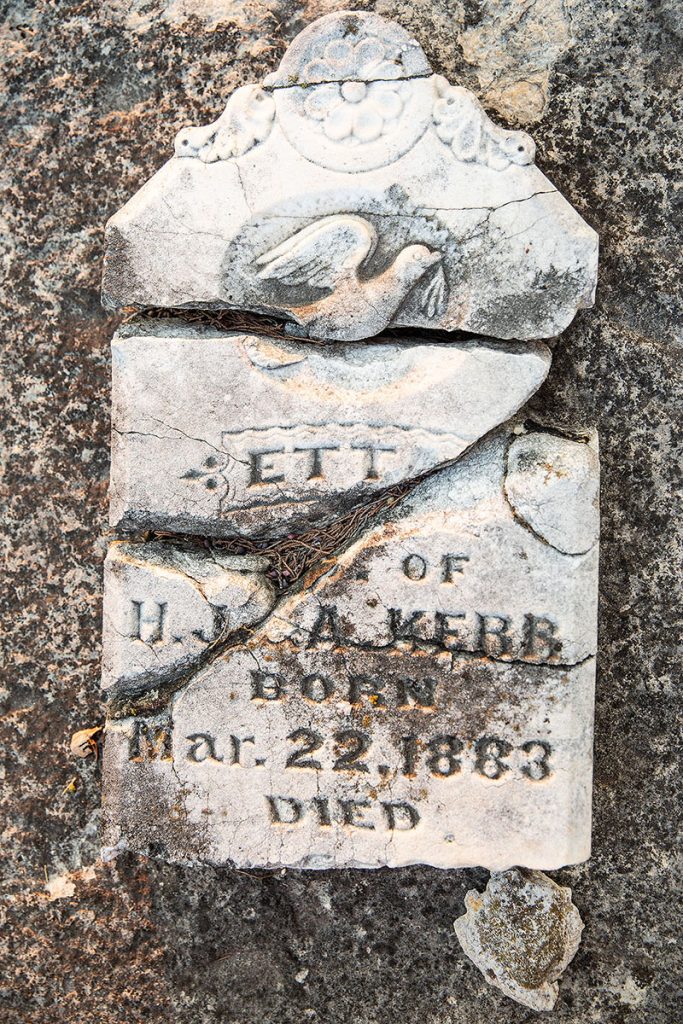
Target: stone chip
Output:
[(552, 485), (521, 933)]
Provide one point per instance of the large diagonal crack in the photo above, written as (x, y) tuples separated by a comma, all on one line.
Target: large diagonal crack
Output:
[(297, 563), (139, 697)]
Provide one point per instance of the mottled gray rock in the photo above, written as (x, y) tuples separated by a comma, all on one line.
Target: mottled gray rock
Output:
[(357, 191), (521, 932), (94, 93), (223, 434)]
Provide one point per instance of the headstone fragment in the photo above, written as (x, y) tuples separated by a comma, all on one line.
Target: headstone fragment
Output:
[(351, 191), (427, 697), (552, 486), (164, 607), (521, 933), (224, 434)]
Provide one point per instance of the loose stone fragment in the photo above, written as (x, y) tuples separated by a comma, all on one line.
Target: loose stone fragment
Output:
[(164, 607), (521, 933), (224, 434), (552, 485), (355, 190), (425, 698)]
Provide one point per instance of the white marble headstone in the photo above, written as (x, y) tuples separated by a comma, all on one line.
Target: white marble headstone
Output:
[(428, 698), (423, 694)]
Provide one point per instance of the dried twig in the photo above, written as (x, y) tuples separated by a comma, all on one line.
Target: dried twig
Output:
[(292, 556)]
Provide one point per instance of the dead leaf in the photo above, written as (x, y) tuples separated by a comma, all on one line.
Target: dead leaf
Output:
[(84, 743)]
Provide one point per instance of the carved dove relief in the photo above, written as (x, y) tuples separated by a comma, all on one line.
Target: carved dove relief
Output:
[(355, 190), (329, 255)]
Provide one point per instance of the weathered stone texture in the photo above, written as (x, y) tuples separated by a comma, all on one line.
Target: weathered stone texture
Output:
[(92, 93), (223, 435), (163, 608)]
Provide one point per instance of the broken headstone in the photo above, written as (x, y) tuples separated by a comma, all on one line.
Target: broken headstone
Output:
[(424, 693), (224, 434), (426, 697), (351, 191)]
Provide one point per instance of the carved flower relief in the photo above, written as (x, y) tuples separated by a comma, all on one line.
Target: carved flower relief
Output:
[(359, 95), (462, 123), (355, 112), (368, 60)]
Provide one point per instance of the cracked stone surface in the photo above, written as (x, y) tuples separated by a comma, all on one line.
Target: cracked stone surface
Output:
[(164, 607), (93, 92), (454, 548), (521, 932), (427, 697), (224, 435), (358, 191), (552, 485)]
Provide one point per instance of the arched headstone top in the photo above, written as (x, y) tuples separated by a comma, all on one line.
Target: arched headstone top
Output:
[(355, 92), (351, 191), (350, 46)]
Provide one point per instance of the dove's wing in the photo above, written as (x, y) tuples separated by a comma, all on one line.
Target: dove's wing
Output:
[(434, 297), (322, 253)]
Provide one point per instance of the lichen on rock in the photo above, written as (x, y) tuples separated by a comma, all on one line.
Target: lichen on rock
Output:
[(521, 933)]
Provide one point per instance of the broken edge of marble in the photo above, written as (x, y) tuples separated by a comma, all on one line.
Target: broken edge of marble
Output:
[(165, 606), (224, 434), (521, 932), (356, 195)]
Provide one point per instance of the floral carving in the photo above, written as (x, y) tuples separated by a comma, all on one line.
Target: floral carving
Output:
[(246, 121), (357, 92), (359, 96), (369, 60), (355, 111), (462, 123)]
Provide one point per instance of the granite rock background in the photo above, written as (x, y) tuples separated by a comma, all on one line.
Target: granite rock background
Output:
[(92, 95)]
